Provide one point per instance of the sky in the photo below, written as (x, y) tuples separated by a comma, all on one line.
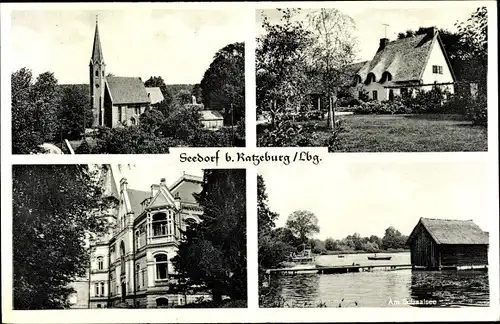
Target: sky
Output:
[(369, 21), (369, 197), (142, 176), (178, 45)]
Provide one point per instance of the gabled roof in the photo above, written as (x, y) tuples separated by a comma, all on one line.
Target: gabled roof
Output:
[(185, 186), (136, 197), (405, 59), (97, 56), (155, 94), (127, 90), (211, 115), (163, 197), (448, 231)]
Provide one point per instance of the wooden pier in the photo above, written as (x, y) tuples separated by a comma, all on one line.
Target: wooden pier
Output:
[(338, 269)]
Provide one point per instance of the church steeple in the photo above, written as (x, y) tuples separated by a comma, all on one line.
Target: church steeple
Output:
[(97, 69), (97, 56)]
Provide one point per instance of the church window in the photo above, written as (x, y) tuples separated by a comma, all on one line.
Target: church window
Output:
[(96, 73), (102, 73), (100, 263), (161, 261)]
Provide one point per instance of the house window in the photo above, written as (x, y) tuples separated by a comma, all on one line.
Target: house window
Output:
[(374, 95), (120, 113), (437, 69), (100, 263), (391, 94), (137, 110), (161, 266)]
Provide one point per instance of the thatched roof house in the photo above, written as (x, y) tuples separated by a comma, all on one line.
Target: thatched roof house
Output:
[(445, 243)]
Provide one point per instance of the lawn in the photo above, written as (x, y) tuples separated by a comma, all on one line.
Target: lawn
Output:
[(407, 133)]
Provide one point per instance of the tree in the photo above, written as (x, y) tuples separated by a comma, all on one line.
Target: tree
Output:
[(152, 120), (214, 252), (330, 244), (54, 211), (34, 109), (197, 93), (74, 111), (25, 138), (265, 216), (280, 65), (166, 105), (392, 239), (332, 49), (223, 84), (303, 224)]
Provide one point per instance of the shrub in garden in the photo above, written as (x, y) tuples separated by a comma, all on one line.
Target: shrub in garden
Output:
[(477, 110)]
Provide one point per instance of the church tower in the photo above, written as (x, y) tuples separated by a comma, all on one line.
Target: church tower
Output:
[(97, 80)]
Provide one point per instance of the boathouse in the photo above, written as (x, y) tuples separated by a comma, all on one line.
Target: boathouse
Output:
[(437, 244)]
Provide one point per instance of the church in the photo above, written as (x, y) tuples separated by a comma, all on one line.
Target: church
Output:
[(130, 266), (116, 101)]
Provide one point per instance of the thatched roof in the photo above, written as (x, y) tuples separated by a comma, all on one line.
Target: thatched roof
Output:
[(405, 59), (448, 231)]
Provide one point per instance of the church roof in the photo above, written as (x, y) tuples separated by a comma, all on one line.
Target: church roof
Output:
[(97, 56), (405, 59), (155, 94), (127, 90)]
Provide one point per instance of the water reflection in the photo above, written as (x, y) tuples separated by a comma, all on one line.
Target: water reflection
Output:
[(379, 288)]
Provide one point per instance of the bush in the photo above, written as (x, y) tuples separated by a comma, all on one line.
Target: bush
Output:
[(477, 110), (131, 140)]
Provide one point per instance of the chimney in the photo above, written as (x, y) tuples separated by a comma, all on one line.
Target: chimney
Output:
[(123, 184), (383, 44), (162, 182), (177, 201), (154, 189)]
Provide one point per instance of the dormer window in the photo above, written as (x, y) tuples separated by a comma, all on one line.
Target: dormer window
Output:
[(386, 76), (370, 78)]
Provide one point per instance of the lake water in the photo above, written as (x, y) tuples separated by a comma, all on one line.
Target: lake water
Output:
[(381, 288)]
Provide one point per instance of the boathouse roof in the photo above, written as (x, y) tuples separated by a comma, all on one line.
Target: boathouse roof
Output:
[(448, 231)]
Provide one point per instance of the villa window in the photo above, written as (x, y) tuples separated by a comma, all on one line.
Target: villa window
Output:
[(96, 285), (437, 69), (161, 261), (143, 277), (100, 263), (137, 239), (102, 288), (374, 95), (137, 272), (122, 257), (162, 224)]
